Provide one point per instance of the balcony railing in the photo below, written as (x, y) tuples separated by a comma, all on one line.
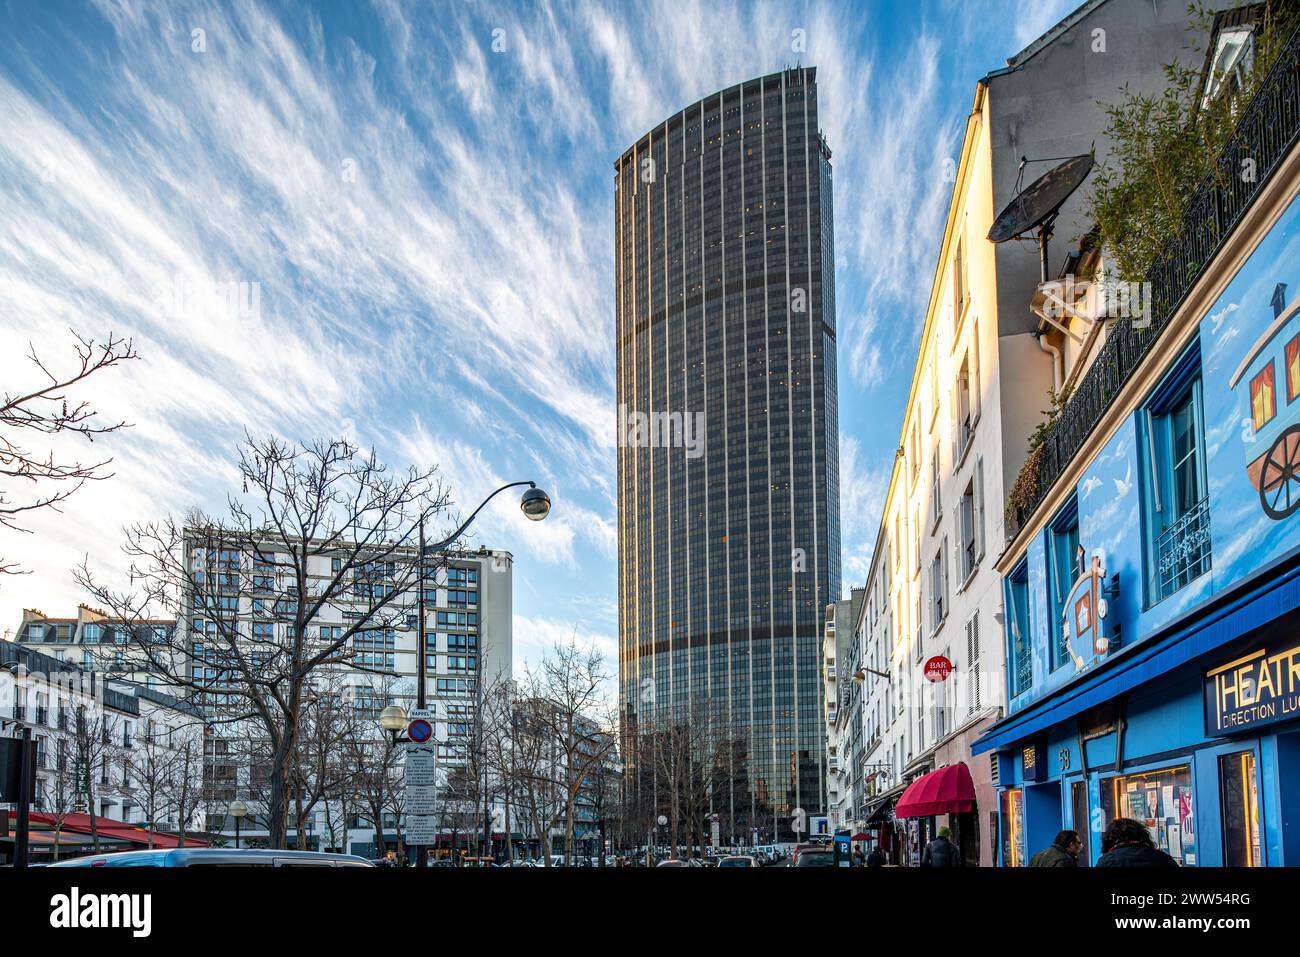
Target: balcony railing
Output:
[(1266, 133), (1183, 550)]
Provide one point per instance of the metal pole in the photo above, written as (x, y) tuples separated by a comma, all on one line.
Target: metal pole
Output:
[(421, 701), (237, 820), (24, 802)]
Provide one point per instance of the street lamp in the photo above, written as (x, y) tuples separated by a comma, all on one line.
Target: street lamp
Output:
[(536, 505), (393, 719), (238, 810)]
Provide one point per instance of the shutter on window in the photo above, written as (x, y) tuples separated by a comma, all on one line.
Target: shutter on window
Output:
[(972, 658), (979, 507)]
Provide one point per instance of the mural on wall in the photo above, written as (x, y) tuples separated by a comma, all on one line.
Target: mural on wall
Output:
[(1250, 359), (1250, 410)]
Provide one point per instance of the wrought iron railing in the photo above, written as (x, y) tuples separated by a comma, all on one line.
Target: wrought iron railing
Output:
[(1267, 132), (1183, 550)]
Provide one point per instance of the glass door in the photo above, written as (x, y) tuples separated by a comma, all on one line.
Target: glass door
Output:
[(1239, 796)]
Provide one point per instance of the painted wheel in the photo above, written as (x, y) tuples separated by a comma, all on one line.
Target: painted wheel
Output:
[(1279, 478)]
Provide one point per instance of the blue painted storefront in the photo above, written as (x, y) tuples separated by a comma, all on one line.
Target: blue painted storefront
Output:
[(1177, 554)]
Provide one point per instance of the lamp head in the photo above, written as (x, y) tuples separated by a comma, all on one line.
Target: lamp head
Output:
[(393, 718), (535, 503)]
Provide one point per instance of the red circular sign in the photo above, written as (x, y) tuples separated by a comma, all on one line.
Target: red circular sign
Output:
[(938, 668), (419, 731)]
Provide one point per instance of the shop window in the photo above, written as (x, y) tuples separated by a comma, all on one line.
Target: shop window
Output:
[(1063, 559), (1162, 800), (1013, 827), (1175, 489), (1240, 801), (1020, 674)]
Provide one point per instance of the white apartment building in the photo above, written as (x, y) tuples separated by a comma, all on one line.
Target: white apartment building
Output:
[(102, 744), (469, 647)]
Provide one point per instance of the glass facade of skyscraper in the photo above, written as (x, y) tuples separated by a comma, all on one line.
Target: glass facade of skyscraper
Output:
[(728, 458)]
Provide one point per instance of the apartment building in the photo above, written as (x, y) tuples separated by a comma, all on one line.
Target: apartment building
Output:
[(120, 751), (932, 664), (1150, 579)]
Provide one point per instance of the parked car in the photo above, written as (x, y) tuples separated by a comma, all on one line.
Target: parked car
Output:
[(673, 862), (738, 860), (812, 855), (216, 857)]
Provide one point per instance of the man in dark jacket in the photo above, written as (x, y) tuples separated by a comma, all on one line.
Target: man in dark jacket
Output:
[(876, 858), (941, 852), (1064, 852), (1127, 843)]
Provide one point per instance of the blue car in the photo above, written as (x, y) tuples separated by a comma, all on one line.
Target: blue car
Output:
[(216, 857)]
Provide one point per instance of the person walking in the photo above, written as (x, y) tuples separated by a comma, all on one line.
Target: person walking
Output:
[(1127, 843), (941, 852), (876, 858), (1064, 852)]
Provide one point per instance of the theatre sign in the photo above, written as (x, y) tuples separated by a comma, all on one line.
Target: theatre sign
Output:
[(1255, 689)]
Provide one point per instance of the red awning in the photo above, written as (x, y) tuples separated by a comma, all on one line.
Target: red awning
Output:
[(949, 790), (107, 828)]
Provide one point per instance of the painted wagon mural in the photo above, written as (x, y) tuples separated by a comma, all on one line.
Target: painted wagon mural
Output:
[(1273, 442)]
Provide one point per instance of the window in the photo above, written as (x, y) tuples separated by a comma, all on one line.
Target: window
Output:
[(936, 493), (1063, 569), (939, 588), (1263, 405), (1020, 674), (960, 292), (91, 633), (966, 523), (965, 410), (1162, 800), (1239, 798), (1174, 495), (973, 663)]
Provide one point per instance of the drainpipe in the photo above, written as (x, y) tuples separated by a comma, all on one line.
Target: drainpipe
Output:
[(1058, 363)]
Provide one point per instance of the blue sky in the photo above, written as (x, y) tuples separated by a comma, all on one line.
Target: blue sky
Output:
[(422, 194)]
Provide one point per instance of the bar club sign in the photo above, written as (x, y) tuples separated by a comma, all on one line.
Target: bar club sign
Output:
[(1256, 689)]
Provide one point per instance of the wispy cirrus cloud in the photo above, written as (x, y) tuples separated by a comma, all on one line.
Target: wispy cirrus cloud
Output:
[(422, 197)]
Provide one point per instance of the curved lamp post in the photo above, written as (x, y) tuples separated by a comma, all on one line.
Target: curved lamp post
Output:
[(536, 505)]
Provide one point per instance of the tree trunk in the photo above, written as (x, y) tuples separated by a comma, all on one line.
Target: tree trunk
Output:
[(281, 773)]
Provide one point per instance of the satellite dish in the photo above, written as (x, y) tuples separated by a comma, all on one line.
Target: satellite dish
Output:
[(1036, 206)]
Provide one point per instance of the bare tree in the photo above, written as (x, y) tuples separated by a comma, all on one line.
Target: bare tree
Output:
[(93, 751), (152, 765), (376, 773), (59, 793), (536, 776), (303, 507), (45, 409), (185, 782), (569, 688)]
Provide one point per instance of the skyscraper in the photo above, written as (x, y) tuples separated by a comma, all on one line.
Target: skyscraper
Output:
[(728, 468)]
